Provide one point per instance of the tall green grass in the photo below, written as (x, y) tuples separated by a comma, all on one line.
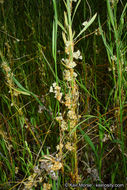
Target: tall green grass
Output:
[(31, 50)]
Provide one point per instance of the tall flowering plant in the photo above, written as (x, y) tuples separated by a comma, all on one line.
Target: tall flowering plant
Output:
[(68, 134)]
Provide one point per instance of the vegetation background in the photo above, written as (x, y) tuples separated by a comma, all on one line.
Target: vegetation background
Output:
[(28, 128)]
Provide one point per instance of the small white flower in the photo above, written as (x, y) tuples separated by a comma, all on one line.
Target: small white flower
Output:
[(16, 170), (63, 59), (109, 69), (68, 43), (57, 88), (80, 57), (114, 58), (59, 97), (75, 74), (54, 84), (72, 64), (51, 89), (59, 118), (77, 55), (67, 75), (58, 94), (85, 23)]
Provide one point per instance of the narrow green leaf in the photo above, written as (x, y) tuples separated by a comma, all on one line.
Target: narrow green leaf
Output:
[(87, 118), (110, 14), (88, 140), (66, 20), (104, 39), (20, 86), (85, 89), (77, 4), (53, 41), (26, 91), (103, 127), (61, 26), (87, 25)]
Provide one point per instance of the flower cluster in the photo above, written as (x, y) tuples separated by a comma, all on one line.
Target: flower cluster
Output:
[(60, 146), (47, 186), (68, 64), (77, 55), (31, 182), (69, 119), (8, 72), (56, 90), (69, 146), (71, 115), (68, 100), (67, 46), (51, 165), (67, 75), (62, 122), (9, 79), (106, 137)]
